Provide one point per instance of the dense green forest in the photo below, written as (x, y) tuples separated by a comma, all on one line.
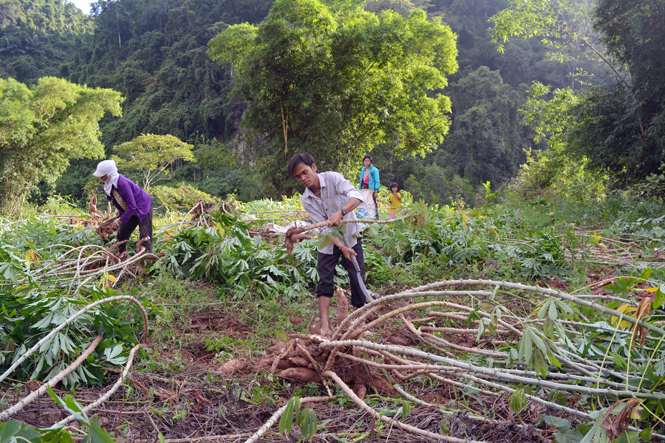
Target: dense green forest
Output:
[(156, 53), (41, 38)]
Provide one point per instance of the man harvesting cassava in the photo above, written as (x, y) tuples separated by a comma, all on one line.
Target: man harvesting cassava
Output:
[(329, 196)]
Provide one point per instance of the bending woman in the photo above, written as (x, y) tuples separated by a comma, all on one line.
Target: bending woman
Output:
[(133, 203)]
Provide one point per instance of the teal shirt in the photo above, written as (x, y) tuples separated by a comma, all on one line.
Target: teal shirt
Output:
[(374, 182)]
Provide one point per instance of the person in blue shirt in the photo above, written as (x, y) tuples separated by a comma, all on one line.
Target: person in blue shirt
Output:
[(369, 179)]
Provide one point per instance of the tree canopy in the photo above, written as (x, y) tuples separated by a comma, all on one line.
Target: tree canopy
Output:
[(151, 154), (42, 128), (623, 125), (40, 38), (154, 52), (617, 126), (336, 80)]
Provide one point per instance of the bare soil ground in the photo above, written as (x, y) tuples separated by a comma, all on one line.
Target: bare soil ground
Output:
[(190, 409), (196, 400)]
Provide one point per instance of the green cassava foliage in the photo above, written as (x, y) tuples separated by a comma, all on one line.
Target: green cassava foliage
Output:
[(31, 307), (40, 38), (336, 80), (16, 431), (43, 127)]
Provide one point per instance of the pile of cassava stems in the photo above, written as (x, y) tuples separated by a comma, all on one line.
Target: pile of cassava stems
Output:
[(409, 340)]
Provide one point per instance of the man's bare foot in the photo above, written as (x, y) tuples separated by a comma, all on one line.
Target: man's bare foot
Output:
[(315, 330)]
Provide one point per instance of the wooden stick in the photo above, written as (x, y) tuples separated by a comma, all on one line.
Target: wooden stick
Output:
[(110, 392), (492, 372), (289, 240), (391, 421)]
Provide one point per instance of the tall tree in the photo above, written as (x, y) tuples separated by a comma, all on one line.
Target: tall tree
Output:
[(154, 52), (619, 126), (42, 128), (563, 26), (487, 142), (336, 80), (624, 124), (152, 154)]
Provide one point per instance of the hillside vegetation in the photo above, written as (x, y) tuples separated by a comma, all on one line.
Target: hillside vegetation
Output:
[(41, 38), (155, 54), (519, 295)]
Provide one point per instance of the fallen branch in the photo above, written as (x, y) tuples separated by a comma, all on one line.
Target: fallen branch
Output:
[(493, 372), (4, 415), (393, 422), (289, 240), (410, 397), (364, 363), (109, 393), (562, 295)]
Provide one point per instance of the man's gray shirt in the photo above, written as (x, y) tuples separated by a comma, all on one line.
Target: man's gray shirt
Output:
[(335, 193)]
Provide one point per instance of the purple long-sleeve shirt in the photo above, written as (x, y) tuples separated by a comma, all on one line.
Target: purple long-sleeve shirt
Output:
[(133, 199)]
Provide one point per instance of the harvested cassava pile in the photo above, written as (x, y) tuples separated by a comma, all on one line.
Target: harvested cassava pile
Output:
[(397, 343)]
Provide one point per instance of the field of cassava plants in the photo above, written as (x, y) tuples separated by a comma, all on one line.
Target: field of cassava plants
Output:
[(528, 320)]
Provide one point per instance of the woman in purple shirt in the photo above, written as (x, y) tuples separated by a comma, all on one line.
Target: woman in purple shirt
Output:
[(132, 202)]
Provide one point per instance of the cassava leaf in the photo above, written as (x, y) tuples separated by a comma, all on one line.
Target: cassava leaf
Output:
[(307, 423)]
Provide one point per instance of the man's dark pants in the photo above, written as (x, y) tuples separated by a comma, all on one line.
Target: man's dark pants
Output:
[(145, 230), (326, 267)]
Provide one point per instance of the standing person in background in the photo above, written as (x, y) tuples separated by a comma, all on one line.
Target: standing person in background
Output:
[(395, 199), (133, 204), (330, 197), (369, 179)]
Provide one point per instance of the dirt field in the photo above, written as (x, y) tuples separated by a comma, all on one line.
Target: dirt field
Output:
[(185, 389)]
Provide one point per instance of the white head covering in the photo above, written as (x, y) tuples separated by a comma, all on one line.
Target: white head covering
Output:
[(108, 168)]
